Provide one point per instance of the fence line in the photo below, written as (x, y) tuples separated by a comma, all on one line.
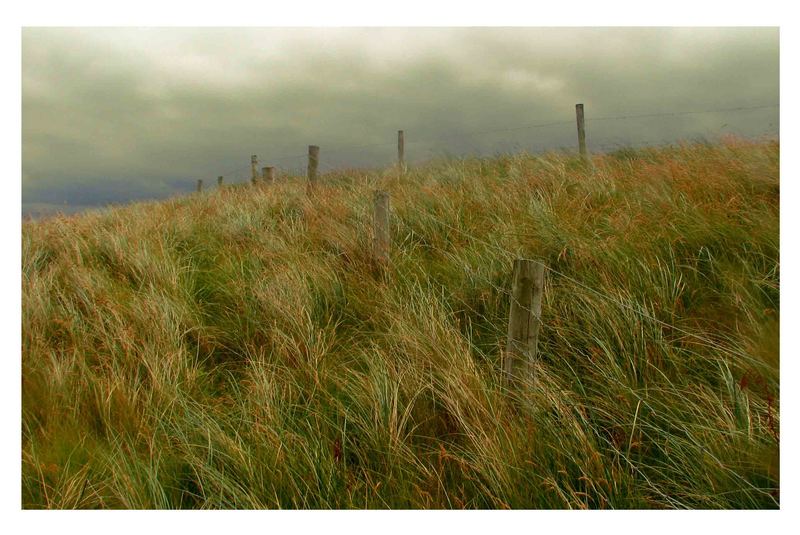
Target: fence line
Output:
[(526, 293), (543, 147), (335, 149), (521, 311)]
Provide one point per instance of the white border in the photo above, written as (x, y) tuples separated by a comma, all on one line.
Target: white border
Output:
[(409, 13)]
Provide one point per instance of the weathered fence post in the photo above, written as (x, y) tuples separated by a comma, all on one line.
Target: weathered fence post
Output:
[(199, 185), (380, 241), (401, 149), (313, 163), (581, 131), (254, 168), (524, 320), (219, 181), (268, 174)]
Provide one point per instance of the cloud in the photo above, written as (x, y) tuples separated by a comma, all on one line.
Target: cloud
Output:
[(119, 113)]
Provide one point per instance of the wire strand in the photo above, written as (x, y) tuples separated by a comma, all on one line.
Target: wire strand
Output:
[(678, 113)]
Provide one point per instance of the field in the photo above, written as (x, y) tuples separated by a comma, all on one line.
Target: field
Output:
[(238, 348)]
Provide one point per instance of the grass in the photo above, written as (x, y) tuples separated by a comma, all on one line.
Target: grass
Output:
[(238, 349)]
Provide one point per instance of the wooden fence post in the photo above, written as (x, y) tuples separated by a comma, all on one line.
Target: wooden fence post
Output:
[(313, 163), (268, 174), (381, 240), (401, 149), (199, 185), (219, 181), (581, 131), (254, 168), (524, 320)]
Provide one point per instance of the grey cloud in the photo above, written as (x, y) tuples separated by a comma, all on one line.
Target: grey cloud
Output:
[(119, 114)]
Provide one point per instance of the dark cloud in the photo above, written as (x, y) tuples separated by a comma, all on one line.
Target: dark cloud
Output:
[(119, 114)]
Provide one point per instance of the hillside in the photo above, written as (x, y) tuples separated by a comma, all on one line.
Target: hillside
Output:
[(239, 349)]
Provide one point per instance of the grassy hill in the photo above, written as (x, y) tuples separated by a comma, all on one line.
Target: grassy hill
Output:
[(237, 348)]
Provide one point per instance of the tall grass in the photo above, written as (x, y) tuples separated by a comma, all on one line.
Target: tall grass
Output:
[(236, 348)]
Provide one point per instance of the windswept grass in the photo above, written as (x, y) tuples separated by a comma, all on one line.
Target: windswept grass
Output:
[(236, 349)]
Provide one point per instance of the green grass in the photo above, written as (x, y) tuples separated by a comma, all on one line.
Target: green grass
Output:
[(238, 349)]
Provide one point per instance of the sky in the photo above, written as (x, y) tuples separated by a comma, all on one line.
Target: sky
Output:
[(113, 115)]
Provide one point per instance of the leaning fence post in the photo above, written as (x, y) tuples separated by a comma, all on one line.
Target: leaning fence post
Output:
[(199, 185), (254, 168), (268, 174), (581, 131), (219, 181), (401, 149), (313, 163), (380, 243), (524, 320)]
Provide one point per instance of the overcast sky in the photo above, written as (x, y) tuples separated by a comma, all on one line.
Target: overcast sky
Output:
[(113, 115)]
